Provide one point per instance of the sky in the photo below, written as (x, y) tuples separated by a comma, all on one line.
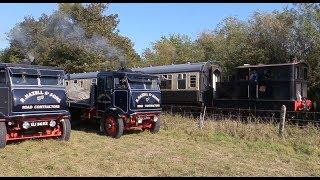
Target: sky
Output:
[(145, 23)]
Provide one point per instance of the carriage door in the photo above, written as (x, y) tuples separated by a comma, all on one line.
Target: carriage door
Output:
[(4, 91), (215, 78)]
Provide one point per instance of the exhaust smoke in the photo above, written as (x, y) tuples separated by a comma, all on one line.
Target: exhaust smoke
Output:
[(66, 29)]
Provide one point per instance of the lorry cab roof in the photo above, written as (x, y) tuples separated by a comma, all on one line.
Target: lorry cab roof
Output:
[(5, 65), (90, 75)]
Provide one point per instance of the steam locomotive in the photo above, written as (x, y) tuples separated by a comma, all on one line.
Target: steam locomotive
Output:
[(262, 87)]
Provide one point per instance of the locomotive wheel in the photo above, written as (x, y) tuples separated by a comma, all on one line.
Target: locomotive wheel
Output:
[(66, 130), (155, 126), (112, 126), (3, 134)]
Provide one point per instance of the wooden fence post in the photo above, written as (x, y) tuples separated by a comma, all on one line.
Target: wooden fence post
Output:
[(201, 118), (282, 120)]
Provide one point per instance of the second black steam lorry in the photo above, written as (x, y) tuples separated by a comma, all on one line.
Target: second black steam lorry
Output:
[(117, 100)]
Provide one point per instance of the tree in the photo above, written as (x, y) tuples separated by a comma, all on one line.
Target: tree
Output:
[(173, 49), (230, 45), (76, 37)]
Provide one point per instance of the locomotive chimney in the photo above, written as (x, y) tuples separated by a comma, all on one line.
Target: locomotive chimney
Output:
[(29, 59), (26, 61), (122, 65)]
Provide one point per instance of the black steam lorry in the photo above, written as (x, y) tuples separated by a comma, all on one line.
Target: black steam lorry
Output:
[(32, 103), (117, 100)]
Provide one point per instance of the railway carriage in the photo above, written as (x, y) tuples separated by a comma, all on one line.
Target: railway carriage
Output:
[(187, 84)]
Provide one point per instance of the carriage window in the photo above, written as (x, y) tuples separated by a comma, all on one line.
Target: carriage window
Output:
[(2, 77), (182, 81), (305, 73), (94, 81), (193, 81), (304, 90), (166, 81), (75, 81), (67, 83), (299, 93), (81, 83), (297, 73)]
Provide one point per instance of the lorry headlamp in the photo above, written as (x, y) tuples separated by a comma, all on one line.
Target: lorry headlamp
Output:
[(52, 123), (25, 125), (139, 120), (155, 118)]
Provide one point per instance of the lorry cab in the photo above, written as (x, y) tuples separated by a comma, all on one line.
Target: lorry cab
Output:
[(32, 103), (119, 100)]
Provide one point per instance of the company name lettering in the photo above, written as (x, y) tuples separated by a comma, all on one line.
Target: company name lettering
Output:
[(40, 93), (40, 107), (145, 95), (148, 105)]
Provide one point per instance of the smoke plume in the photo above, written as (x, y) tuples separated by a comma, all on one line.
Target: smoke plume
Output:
[(68, 30)]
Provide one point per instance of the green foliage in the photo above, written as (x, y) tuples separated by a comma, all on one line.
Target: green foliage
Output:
[(81, 38), (76, 37), (173, 49), (268, 38)]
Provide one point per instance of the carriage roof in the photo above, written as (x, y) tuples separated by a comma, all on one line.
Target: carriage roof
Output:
[(187, 67), (269, 65)]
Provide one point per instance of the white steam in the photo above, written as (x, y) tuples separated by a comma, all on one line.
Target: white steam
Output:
[(66, 29)]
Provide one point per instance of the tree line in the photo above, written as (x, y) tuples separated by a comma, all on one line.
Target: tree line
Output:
[(81, 37)]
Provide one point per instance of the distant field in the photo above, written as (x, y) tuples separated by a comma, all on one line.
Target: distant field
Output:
[(226, 148)]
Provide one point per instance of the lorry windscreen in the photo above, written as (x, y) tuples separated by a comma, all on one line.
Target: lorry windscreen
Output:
[(153, 85), (22, 79), (36, 77), (51, 80)]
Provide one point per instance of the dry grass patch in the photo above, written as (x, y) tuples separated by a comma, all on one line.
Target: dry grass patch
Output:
[(224, 148)]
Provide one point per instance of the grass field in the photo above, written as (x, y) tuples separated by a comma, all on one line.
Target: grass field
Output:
[(225, 148)]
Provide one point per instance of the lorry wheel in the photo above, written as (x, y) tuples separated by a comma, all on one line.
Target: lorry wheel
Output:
[(155, 126), (3, 134), (112, 126), (66, 130)]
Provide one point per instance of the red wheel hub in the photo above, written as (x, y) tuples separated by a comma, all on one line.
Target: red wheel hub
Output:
[(111, 126)]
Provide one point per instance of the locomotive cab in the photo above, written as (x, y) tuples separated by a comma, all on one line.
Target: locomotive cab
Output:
[(267, 87)]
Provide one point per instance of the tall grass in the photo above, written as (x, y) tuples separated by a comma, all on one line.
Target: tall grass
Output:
[(222, 148), (305, 140)]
